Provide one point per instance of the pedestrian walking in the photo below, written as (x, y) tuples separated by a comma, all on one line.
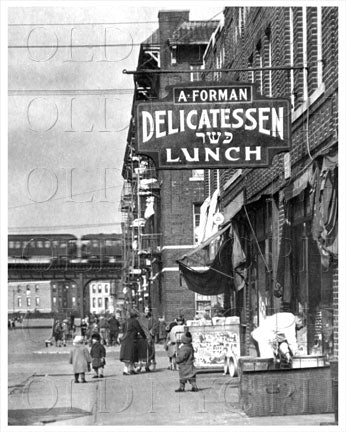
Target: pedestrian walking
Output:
[(114, 327), (185, 360), (150, 327), (129, 346), (65, 331), (80, 359), (98, 355), (58, 333), (84, 329), (104, 329)]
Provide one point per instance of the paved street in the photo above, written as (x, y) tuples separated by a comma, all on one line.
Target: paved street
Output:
[(41, 391)]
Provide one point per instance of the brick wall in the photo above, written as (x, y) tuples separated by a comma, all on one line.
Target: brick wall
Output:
[(314, 127), (336, 310), (178, 193)]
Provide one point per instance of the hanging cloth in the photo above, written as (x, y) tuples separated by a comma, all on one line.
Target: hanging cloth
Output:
[(239, 261), (283, 286), (324, 226), (200, 230), (211, 228), (215, 280)]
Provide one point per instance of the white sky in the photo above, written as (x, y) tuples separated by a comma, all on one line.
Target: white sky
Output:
[(42, 150)]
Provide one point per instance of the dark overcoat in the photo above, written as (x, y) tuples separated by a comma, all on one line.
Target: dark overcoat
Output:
[(97, 352), (129, 342), (185, 360), (79, 358)]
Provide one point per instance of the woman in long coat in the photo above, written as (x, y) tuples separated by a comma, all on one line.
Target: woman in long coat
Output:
[(129, 343)]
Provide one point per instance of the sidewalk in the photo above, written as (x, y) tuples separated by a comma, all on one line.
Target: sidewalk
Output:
[(48, 395)]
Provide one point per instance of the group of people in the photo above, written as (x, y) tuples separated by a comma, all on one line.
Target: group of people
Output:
[(107, 328), (82, 360), (137, 349), (62, 331)]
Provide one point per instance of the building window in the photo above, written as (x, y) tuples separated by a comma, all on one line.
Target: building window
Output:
[(94, 302), (292, 58), (106, 288), (319, 47), (11, 244), (54, 300), (47, 244), (305, 72), (106, 303), (28, 301), (19, 289), (39, 244), (195, 74), (197, 174), (174, 55), (196, 220), (37, 301), (37, 289), (99, 302), (251, 74), (28, 290), (99, 286), (73, 301), (93, 287), (19, 302), (268, 62), (259, 64), (202, 305), (17, 245)]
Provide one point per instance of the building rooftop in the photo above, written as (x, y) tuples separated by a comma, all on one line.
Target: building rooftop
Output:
[(153, 39), (193, 32)]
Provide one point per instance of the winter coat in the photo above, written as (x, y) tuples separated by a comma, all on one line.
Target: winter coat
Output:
[(79, 358), (103, 323), (129, 342), (98, 353), (172, 340), (185, 360), (114, 325)]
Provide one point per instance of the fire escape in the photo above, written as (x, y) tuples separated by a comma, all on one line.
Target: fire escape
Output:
[(140, 198)]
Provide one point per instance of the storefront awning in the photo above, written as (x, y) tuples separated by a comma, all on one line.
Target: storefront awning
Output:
[(299, 184), (217, 278)]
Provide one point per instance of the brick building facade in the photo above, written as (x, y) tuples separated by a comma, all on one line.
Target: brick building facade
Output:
[(279, 207), (285, 215), (152, 244)]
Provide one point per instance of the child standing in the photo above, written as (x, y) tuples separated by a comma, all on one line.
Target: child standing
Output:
[(98, 354), (80, 359), (185, 360)]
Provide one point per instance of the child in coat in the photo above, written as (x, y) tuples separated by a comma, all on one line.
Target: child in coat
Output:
[(185, 360), (80, 359), (98, 354)]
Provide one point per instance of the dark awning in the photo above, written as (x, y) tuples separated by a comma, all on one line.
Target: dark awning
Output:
[(217, 278)]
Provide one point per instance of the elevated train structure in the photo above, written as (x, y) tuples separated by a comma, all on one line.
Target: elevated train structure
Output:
[(62, 248), (64, 258)]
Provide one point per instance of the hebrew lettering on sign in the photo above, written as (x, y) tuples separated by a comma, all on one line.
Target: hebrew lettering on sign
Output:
[(214, 126)]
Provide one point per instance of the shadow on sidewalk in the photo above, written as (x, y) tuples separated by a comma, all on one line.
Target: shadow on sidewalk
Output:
[(31, 416)]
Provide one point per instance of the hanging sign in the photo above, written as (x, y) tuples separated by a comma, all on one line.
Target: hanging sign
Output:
[(213, 126)]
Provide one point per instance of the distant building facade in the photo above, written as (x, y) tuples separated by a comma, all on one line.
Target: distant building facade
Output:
[(29, 296), (102, 296)]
